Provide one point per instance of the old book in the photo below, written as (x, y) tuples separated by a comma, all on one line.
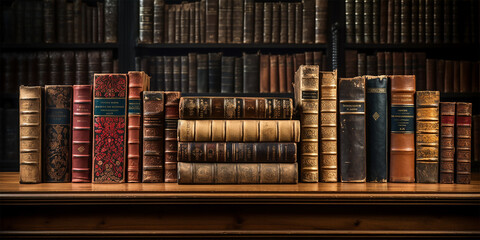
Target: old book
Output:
[(274, 74), (170, 132), (237, 152), (239, 130), (222, 21), (376, 21), (153, 137), (282, 78), (170, 23), (290, 73), (94, 64), (317, 58), (405, 18), (178, 22), (447, 142), (184, 79), (414, 22), (351, 63), (251, 73), (58, 139), (21, 69), (359, 30), (463, 143), (388, 63), (290, 22), (227, 81), (88, 29), (60, 20), (465, 76), (397, 20), (328, 126), (81, 68), (264, 73), (30, 108), (298, 22), (383, 21), (421, 69), (214, 72), (237, 173), (160, 72), (197, 12), (238, 75), (94, 25), (68, 58), (368, 21), (101, 22), (81, 133), (402, 129), (427, 136), (350, 21), (37, 22), (191, 24), (455, 22), (237, 25), (429, 21), (307, 102), (398, 63), (202, 73), (421, 21), (447, 21), (267, 22), (371, 65), (48, 22), (438, 21), (258, 23), (351, 96), (283, 22), (106, 61), (158, 21), (321, 8), (176, 74), (408, 63), (228, 21), (56, 76), (448, 77), (212, 15), (276, 22), (192, 72), (298, 60), (439, 74), (146, 21), (109, 122), (111, 16), (250, 21), (203, 24), (308, 24), (377, 128), (362, 64), (309, 58)]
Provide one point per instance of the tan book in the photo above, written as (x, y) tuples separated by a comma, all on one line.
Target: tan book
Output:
[(328, 126), (463, 143)]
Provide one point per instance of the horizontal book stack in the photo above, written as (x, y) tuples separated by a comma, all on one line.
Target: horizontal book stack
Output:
[(453, 76), (60, 21), (229, 21)]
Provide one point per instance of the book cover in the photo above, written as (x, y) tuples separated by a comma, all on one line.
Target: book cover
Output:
[(463, 143), (170, 132), (153, 136), (82, 133), (447, 142)]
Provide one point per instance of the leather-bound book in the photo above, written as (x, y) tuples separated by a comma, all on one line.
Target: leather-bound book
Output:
[(290, 22), (146, 21), (94, 64), (463, 143), (32, 71), (237, 152), (456, 76), (68, 67), (267, 22), (283, 22), (308, 58), (203, 24), (192, 72), (237, 173), (274, 74), (137, 83), (19, 20), (94, 25), (307, 104), (440, 75), (447, 142), (447, 21), (465, 76), (28, 15), (421, 78), (56, 76), (429, 21), (368, 21), (184, 79), (251, 73), (402, 128), (421, 21), (264, 73), (298, 60), (197, 23), (184, 15), (276, 22), (212, 25), (351, 96), (84, 26), (317, 58), (237, 25), (376, 21), (427, 136), (359, 30), (48, 21), (153, 137), (176, 68), (58, 139), (238, 131), (81, 68), (101, 22), (152, 69), (362, 64), (328, 126), (351, 63), (60, 20), (37, 22), (77, 21), (81, 133), (229, 21), (21, 69), (170, 132), (258, 23), (398, 63), (158, 21), (321, 8), (227, 81), (88, 30), (414, 22), (381, 63), (30, 108), (298, 22), (214, 72), (383, 21), (405, 18), (350, 21), (235, 108), (160, 72), (290, 73), (202, 73), (111, 16), (177, 23), (282, 77), (448, 77), (408, 63), (390, 21), (191, 24), (455, 22), (109, 122), (308, 25), (250, 21), (371, 65), (169, 23), (106, 61), (438, 21), (238, 75)]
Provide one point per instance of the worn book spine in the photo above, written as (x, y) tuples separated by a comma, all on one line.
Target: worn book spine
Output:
[(158, 21), (214, 72), (109, 122), (463, 166), (307, 102), (276, 22), (237, 173), (351, 63), (282, 78), (212, 21), (111, 16), (30, 107), (251, 73), (290, 23), (447, 142), (222, 21), (239, 130), (290, 71), (101, 22), (60, 20), (421, 21), (202, 73), (264, 73), (237, 18), (170, 23), (427, 136), (465, 76), (191, 24), (81, 67), (176, 73), (227, 71), (283, 22), (274, 88), (371, 65), (178, 22), (321, 9), (58, 109), (238, 75), (405, 18), (68, 58), (184, 15), (94, 64), (81, 133), (106, 61), (328, 127), (258, 23), (308, 25), (359, 30), (249, 21), (160, 69), (350, 21), (184, 70), (402, 129), (362, 64), (448, 77), (440, 75), (171, 118), (414, 21), (55, 60), (48, 21), (153, 136), (298, 22), (192, 72), (146, 21), (368, 21), (376, 21), (267, 22)]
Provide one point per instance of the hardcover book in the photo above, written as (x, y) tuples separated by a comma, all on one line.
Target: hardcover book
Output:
[(463, 167), (447, 142), (153, 136), (171, 118), (82, 133)]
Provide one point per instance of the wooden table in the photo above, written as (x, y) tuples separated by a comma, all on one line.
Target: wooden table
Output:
[(329, 210)]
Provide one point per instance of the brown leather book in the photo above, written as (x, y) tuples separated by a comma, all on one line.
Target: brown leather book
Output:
[(414, 22), (351, 63), (381, 63), (235, 108), (176, 73), (447, 142), (429, 21), (88, 30), (465, 76), (421, 21), (317, 58), (264, 73), (402, 128), (282, 77), (276, 22), (171, 118), (321, 9), (298, 22), (427, 136), (257, 31), (48, 22), (238, 131), (362, 64), (153, 136), (101, 22), (298, 60), (448, 78), (308, 25), (146, 21), (94, 64), (408, 63), (222, 21), (68, 58), (283, 22), (350, 21), (212, 21), (371, 65), (111, 17), (383, 21), (192, 72), (422, 71), (81, 68), (237, 25), (290, 22), (290, 73), (32, 79), (456, 76), (82, 134), (438, 21), (238, 75), (439, 75), (229, 21), (94, 25), (398, 63), (308, 58), (274, 88), (184, 80), (106, 61), (390, 21), (463, 166), (397, 20), (368, 21), (376, 21), (56, 76), (184, 21), (203, 24), (196, 21), (158, 21), (267, 22), (170, 23), (251, 72), (227, 74), (406, 19), (359, 30), (237, 173), (307, 102), (30, 107), (388, 63), (60, 20)]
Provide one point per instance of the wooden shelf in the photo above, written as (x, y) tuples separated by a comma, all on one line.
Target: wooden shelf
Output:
[(239, 46), (56, 46), (412, 46)]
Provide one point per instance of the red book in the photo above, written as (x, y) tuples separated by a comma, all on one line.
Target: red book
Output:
[(81, 133), (172, 100)]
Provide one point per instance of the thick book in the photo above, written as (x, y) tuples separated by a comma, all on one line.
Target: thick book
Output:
[(202, 73), (267, 22), (212, 21), (184, 70), (406, 18), (111, 17), (308, 25), (222, 21), (81, 68), (94, 65), (402, 128), (274, 83), (251, 73), (427, 136), (170, 132), (68, 77), (290, 22), (276, 22), (237, 18), (351, 63), (227, 72), (238, 75), (250, 21), (30, 108), (82, 133), (377, 127), (290, 72), (48, 21), (282, 71), (351, 97), (298, 22), (214, 72), (237, 173), (158, 21), (264, 73), (350, 21), (237, 152), (368, 21), (463, 143), (239, 130), (447, 142), (145, 21), (307, 104), (359, 30), (153, 137), (109, 122), (58, 139), (328, 126), (176, 74), (192, 72), (321, 10), (283, 22)]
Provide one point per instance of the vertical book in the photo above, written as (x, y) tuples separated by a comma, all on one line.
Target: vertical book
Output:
[(447, 142), (81, 133), (153, 136), (171, 118), (463, 143), (328, 126)]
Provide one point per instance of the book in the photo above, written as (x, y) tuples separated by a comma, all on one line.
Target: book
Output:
[(274, 83), (368, 21), (276, 22), (184, 74), (146, 21), (447, 142), (250, 20), (267, 22), (176, 74), (111, 9), (94, 64), (321, 9), (350, 21), (290, 22), (48, 22), (298, 22), (308, 24), (237, 19), (238, 77), (402, 129), (58, 139), (81, 67), (227, 74), (158, 21), (282, 71), (30, 144), (406, 19), (212, 13), (359, 30), (192, 73), (109, 122), (427, 136), (264, 73), (463, 143), (214, 72), (222, 21), (202, 73), (153, 136), (82, 133), (283, 22), (170, 132), (351, 63), (250, 73), (236, 173)]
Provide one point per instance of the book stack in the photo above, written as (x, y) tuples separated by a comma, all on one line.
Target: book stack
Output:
[(226, 140)]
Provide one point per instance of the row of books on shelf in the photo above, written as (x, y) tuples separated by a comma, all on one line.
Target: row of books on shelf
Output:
[(412, 21), (217, 73), (60, 21), (229, 21), (442, 75)]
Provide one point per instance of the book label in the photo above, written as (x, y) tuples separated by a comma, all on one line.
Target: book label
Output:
[(309, 94), (352, 107), (58, 116), (134, 106), (109, 107), (403, 119)]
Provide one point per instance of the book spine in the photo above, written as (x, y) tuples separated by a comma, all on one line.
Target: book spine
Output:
[(359, 30), (222, 21), (283, 22), (321, 9), (145, 21), (48, 21), (227, 81), (250, 73), (58, 108), (290, 73), (291, 23), (192, 72), (111, 16), (30, 107), (176, 73), (328, 127), (88, 20), (37, 22), (197, 33), (202, 73), (238, 75), (421, 21), (362, 64), (368, 21), (68, 67), (237, 25), (350, 21), (94, 25), (351, 63), (153, 136), (184, 15), (447, 142), (440, 75), (274, 74), (158, 21), (397, 21), (184, 71), (465, 76), (398, 63), (214, 72), (276, 22), (438, 21), (160, 69), (405, 17), (94, 64), (414, 22), (212, 21), (106, 61), (429, 21), (371, 65), (447, 21), (81, 68), (81, 133), (463, 168), (60, 20), (101, 22), (55, 60), (264, 73), (250, 21), (298, 22), (267, 22), (171, 118), (308, 27), (191, 19), (238, 173), (282, 77), (109, 122)]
